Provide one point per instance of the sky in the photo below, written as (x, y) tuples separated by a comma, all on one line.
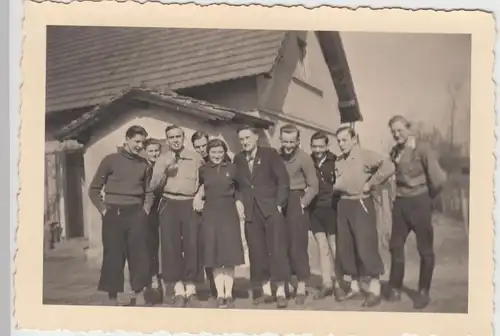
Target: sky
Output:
[(415, 75)]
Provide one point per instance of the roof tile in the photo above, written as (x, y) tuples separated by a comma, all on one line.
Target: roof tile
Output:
[(88, 65)]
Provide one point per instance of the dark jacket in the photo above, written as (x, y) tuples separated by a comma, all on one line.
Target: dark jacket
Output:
[(326, 177), (267, 186)]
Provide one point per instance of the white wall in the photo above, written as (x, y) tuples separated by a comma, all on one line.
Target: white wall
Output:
[(306, 103), (106, 140), (409, 74)]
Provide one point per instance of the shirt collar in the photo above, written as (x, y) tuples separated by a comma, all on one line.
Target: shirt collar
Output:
[(252, 154), (184, 154)]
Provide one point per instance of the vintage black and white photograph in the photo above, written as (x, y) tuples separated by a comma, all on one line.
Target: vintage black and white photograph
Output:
[(184, 175), (257, 169)]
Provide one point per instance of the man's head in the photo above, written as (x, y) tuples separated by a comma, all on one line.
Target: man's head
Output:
[(290, 138), (400, 129), (347, 139), (134, 139), (319, 144), (248, 138), (200, 141), (153, 149), (175, 137)]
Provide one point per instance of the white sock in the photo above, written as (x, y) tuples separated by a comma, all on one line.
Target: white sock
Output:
[(190, 289), (375, 287), (280, 289), (179, 288), (219, 278), (228, 281), (266, 288), (355, 286), (301, 287), (290, 287)]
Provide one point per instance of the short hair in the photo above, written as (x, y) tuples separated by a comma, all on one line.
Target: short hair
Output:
[(246, 127), (135, 130), (289, 128), (199, 135), (172, 127), (349, 129), (399, 118), (213, 143), (319, 135), (152, 141)]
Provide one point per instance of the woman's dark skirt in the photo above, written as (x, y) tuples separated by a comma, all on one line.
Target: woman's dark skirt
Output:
[(221, 234)]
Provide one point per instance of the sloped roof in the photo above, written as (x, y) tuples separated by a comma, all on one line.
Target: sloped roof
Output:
[(208, 111), (88, 65)]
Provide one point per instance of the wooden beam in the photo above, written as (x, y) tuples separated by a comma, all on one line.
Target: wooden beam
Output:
[(335, 57)]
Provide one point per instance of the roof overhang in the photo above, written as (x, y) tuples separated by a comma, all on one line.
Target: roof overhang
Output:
[(170, 101)]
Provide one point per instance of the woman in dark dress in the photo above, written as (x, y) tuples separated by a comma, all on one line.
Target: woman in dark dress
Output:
[(222, 248)]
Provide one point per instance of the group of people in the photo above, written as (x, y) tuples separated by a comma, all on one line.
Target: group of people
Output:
[(174, 215)]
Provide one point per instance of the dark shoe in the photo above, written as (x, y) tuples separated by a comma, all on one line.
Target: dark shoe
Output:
[(394, 295), (422, 299), (263, 299), (192, 301), (179, 301), (300, 299), (372, 300), (339, 294), (230, 302), (281, 302), (221, 302), (323, 293)]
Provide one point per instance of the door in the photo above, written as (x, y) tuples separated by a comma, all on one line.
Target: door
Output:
[(75, 178)]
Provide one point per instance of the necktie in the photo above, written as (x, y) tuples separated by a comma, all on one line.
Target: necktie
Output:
[(250, 160)]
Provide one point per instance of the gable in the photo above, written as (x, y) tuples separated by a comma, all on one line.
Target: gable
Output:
[(88, 65), (311, 93)]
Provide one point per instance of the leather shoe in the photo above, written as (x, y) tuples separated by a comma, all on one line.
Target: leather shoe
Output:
[(323, 292), (263, 299), (422, 299), (394, 295), (372, 300), (281, 302), (300, 299)]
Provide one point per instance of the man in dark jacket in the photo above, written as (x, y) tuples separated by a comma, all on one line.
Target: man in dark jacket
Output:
[(124, 176), (264, 186)]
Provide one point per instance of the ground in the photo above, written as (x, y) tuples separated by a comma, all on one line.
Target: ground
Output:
[(69, 280)]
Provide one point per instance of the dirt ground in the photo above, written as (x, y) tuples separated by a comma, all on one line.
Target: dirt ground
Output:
[(68, 280)]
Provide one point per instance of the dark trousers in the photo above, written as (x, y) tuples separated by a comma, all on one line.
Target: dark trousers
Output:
[(124, 238), (412, 214), (297, 223), (357, 239), (179, 234), (267, 247), (154, 244), (209, 272)]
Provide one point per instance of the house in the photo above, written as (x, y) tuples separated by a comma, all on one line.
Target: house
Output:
[(101, 80)]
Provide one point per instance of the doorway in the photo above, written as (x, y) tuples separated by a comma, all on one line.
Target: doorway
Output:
[(75, 181)]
